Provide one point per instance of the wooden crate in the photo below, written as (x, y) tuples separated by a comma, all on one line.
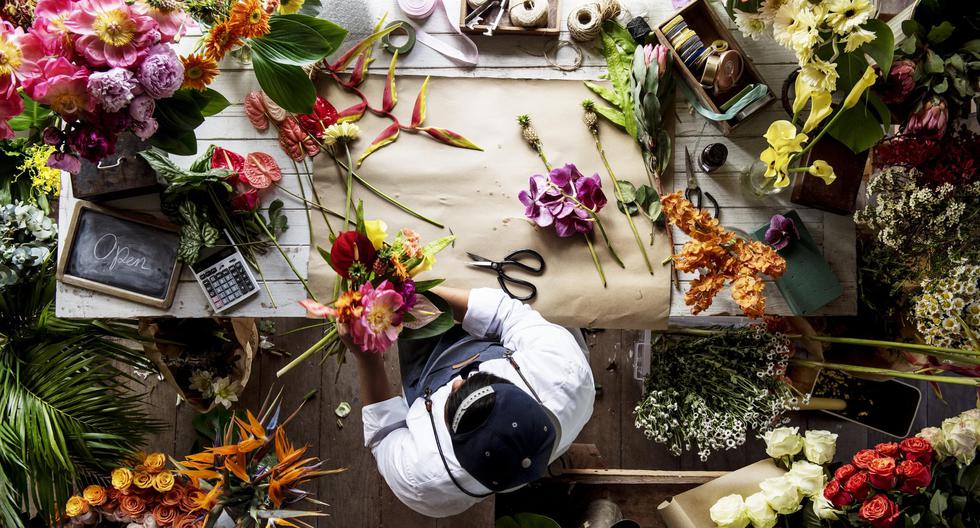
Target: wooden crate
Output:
[(701, 17), (553, 28)]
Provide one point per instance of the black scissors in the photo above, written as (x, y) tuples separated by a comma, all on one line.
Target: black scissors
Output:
[(693, 192), (517, 259)]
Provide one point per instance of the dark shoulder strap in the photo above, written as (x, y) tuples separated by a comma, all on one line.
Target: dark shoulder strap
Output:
[(442, 455)]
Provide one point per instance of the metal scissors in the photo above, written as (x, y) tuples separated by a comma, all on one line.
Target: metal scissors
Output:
[(518, 259), (693, 192)]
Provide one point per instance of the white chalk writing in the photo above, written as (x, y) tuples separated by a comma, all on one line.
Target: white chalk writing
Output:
[(107, 249)]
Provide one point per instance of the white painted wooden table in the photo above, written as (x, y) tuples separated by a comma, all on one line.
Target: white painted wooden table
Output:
[(500, 56)]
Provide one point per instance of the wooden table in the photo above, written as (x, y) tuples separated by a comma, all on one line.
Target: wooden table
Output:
[(500, 56)]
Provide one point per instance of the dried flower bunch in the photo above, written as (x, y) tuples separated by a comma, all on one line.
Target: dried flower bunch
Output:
[(705, 392), (947, 313), (720, 257)]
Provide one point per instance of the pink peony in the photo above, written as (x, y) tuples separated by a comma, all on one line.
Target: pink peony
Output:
[(49, 26), (19, 52), (172, 25), (63, 86), (380, 321), (112, 32)]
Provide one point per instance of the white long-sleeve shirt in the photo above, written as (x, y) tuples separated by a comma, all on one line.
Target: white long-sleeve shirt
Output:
[(551, 360)]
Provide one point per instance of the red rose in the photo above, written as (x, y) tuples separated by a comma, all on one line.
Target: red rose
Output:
[(918, 449), (882, 472), (880, 511), (844, 472), (864, 457), (833, 492), (352, 249), (914, 475), (858, 485), (888, 449)]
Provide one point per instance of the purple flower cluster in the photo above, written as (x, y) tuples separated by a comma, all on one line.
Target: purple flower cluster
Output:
[(161, 73), (113, 89), (564, 198)]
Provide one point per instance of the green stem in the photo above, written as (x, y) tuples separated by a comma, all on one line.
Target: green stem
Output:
[(619, 196), (316, 197), (595, 259), (265, 283), (598, 222), (289, 261), (823, 131), (309, 203), (544, 159), (309, 217), (350, 186), (389, 199), (319, 345), (886, 372)]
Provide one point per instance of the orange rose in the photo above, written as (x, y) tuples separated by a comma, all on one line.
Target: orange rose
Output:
[(164, 515), (132, 506), (186, 521), (122, 478), (192, 500), (76, 506), (95, 495), (155, 462), (143, 480), (164, 481), (174, 496)]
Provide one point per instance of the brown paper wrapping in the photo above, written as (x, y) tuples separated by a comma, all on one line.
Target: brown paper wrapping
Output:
[(246, 334), (690, 509), (475, 194)]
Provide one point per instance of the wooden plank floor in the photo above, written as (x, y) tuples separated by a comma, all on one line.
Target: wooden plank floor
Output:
[(359, 498)]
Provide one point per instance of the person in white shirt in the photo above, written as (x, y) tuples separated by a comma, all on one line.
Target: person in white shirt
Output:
[(485, 408)]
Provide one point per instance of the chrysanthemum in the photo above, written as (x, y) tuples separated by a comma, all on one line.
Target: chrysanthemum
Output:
[(340, 132), (220, 40), (199, 71), (844, 16), (821, 75), (248, 19)]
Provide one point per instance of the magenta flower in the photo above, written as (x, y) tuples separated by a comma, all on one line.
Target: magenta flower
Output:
[(10, 105), (65, 162), (381, 317), (656, 54), (62, 86), (161, 73), (91, 143), (49, 27), (112, 32), (896, 87), (781, 232), (565, 198)]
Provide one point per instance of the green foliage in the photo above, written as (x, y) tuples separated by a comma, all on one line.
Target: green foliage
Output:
[(180, 114), (439, 326), (35, 116), (196, 233), (526, 520), (617, 48), (643, 200), (882, 48)]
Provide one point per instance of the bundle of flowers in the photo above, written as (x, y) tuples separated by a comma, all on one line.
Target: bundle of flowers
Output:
[(104, 67), (947, 312), (143, 495), (720, 257), (951, 158), (707, 388), (379, 299), (255, 475), (24, 172), (28, 238), (925, 480)]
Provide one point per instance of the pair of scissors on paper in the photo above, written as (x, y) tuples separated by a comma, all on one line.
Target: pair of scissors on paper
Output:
[(693, 193), (524, 259)]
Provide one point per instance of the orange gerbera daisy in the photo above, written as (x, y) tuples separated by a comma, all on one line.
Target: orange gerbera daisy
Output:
[(220, 40), (249, 19), (199, 71)]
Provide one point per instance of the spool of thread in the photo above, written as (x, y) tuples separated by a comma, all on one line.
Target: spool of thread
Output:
[(585, 23), (529, 13)]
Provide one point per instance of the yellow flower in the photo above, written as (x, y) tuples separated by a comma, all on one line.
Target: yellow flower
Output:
[(163, 482), (863, 84), (76, 506), (341, 132), (844, 16), (777, 166), (857, 38), (288, 7), (155, 462), (821, 169), (819, 110), (427, 262), (782, 136), (122, 478), (377, 232), (143, 480), (43, 178), (821, 75), (803, 92), (94, 495)]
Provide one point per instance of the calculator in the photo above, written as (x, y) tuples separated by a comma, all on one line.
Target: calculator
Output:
[(225, 278)]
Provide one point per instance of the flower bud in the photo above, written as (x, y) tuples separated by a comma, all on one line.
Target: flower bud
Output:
[(930, 119)]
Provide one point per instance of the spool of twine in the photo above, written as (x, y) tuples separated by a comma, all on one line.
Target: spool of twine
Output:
[(585, 23), (476, 4), (529, 13)]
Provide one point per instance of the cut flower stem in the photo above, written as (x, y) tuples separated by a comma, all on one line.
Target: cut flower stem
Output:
[(595, 259), (324, 342), (886, 372), (388, 198)]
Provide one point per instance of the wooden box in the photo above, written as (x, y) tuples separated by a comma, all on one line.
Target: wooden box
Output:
[(701, 17), (121, 175), (552, 28)]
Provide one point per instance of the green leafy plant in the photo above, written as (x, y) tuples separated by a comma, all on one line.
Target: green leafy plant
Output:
[(617, 48), (178, 116), (526, 520)]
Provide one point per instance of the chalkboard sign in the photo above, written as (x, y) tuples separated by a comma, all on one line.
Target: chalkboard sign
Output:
[(122, 255)]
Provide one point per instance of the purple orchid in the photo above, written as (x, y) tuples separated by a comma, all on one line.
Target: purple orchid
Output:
[(565, 198), (781, 232)]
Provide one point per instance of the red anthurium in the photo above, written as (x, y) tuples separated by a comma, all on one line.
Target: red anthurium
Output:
[(246, 201), (226, 159), (352, 250), (261, 170), (324, 115)]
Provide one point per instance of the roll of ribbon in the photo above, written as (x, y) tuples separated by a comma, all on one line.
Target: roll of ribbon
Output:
[(529, 13), (409, 32), (421, 10)]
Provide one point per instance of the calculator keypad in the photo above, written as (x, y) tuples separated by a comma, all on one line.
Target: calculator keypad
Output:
[(226, 282)]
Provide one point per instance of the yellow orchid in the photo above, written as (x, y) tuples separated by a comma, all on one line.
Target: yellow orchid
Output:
[(377, 232), (782, 137), (858, 90), (819, 110), (821, 169)]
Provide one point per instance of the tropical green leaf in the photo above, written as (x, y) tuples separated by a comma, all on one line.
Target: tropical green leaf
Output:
[(286, 84), (216, 102), (939, 34), (298, 40), (184, 144), (882, 48), (34, 115), (857, 128), (426, 285), (614, 116), (526, 520)]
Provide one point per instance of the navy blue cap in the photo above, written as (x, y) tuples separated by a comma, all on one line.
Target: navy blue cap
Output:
[(515, 443)]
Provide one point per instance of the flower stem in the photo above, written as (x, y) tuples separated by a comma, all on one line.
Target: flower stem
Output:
[(289, 261), (350, 187), (319, 345), (544, 159), (389, 199), (311, 204), (595, 217), (316, 197), (655, 175), (619, 196), (309, 216), (595, 259), (886, 372)]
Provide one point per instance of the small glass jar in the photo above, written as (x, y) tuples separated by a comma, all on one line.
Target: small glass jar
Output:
[(755, 182)]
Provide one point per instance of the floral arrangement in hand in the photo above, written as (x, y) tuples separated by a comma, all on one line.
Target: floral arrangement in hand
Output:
[(104, 67), (28, 238), (143, 495), (720, 257)]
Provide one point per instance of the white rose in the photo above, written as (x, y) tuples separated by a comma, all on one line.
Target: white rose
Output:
[(760, 514), (972, 417), (809, 478), (783, 441), (820, 447), (935, 437), (823, 508), (959, 440), (782, 495), (729, 512)]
